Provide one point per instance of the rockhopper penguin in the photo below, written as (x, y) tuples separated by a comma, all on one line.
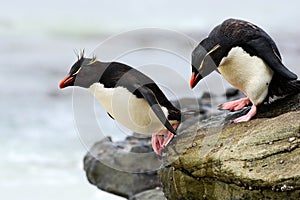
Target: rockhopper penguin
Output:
[(247, 57), (128, 96)]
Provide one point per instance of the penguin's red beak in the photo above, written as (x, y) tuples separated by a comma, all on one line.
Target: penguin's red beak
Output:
[(195, 78), (67, 81)]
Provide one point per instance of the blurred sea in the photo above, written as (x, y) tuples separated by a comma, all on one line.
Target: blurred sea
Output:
[(42, 146)]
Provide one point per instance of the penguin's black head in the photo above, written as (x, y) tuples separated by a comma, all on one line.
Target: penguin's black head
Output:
[(83, 73), (205, 58)]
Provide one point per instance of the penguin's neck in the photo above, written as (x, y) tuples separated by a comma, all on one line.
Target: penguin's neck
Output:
[(250, 74)]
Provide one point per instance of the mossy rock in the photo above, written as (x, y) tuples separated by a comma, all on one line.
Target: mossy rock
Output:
[(259, 159)]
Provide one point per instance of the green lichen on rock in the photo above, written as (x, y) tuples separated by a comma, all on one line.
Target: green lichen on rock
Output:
[(259, 159)]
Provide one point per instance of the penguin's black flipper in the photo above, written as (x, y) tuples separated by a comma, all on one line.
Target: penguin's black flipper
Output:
[(150, 97), (110, 116), (266, 49)]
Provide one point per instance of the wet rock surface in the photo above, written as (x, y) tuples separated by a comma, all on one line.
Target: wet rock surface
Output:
[(210, 158)]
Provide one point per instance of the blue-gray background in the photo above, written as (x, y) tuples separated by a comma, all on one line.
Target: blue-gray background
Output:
[(41, 152)]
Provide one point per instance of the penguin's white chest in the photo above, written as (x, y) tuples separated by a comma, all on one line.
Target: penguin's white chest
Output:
[(130, 111), (250, 74)]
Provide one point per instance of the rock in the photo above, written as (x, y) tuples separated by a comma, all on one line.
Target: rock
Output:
[(129, 168), (209, 159), (192, 106), (207, 95), (213, 159), (154, 194), (123, 168), (278, 107), (231, 92)]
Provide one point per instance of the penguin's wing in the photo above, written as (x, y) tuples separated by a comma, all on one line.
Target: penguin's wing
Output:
[(110, 116), (266, 49), (150, 97)]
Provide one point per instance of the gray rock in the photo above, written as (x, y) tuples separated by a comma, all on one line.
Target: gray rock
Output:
[(154, 194), (231, 92), (251, 160), (122, 168)]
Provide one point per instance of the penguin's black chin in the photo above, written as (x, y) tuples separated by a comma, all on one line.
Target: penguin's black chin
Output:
[(195, 78), (67, 81)]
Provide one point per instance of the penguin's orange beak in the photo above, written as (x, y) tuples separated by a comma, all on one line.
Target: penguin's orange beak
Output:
[(67, 81), (195, 78)]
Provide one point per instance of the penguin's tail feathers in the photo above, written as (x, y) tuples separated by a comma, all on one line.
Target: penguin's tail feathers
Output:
[(292, 87), (284, 88)]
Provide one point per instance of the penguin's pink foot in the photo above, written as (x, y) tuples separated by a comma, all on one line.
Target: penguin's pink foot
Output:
[(248, 116), (159, 142), (235, 105)]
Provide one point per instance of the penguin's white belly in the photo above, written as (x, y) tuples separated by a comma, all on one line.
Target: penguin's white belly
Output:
[(250, 74), (127, 109)]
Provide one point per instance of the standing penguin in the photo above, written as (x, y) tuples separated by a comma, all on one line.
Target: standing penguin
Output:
[(128, 96), (247, 57)]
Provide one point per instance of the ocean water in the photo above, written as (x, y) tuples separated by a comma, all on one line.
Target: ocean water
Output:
[(44, 133)]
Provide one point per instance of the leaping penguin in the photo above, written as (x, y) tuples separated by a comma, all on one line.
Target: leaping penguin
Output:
[(129, 96), (247, 57)]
